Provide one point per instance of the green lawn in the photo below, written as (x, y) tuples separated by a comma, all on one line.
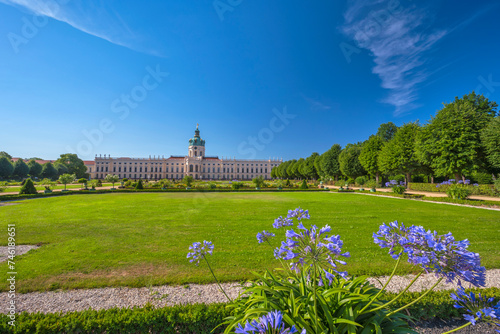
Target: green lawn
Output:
[(140, 239)]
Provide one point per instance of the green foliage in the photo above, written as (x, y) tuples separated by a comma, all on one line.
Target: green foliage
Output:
[(74, 164), (6, 168), (330, 161), (4, 154), (369, 155), (308, 169), (349, 161), (360, 180), (497, 185), (28, 188), (338, 305), (61, 168), (258, 181), (185, 319), (303, 185), (458, 191), (490, 138), (212, 186), (386, 131), (371, 184), (49, 171), (188, 180), (99, 183), (83, 181), (67, 178), (397, 189), (236, 185), (139, 185), (482, 178), (35, 168), (112, 179), (21, 169)]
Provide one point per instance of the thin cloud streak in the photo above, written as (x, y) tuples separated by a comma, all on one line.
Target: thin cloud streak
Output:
[(117, 30), (398, 44)]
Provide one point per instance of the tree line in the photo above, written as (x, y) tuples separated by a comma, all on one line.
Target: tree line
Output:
[(463, 138), (66, 164)]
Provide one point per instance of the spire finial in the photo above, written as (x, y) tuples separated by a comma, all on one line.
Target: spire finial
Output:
[(197, 125)]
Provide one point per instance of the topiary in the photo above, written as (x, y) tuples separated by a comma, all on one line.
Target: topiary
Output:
[(28, 188), (139, 185), (360, 180), (303, 185)]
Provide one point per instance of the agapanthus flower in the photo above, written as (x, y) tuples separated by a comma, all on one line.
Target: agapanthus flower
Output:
[(280, 222), (199, 251), (271, 323), (478, 307), (439, 254), (312, 247), (299, 214), (264, 236)]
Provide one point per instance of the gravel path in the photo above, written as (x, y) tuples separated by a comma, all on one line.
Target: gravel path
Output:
[(105, 298), (20, 249)]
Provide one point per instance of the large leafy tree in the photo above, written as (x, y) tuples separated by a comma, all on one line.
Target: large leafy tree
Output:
[(330, 162), (289, 169), (74, 164), (317, 166), (61, 168), (21, 169), (298, 167), (490, 137), (6, 168), (49, 171), (349, 161), (369, 155), (308, 169), (387, 131), (6, 155), (455, 145), (35, 168), (398, 155)]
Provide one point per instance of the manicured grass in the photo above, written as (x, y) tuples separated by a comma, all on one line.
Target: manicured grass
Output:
[(142, 238)]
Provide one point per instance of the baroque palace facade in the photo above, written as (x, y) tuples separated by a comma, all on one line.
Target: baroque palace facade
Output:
[(196, 164)]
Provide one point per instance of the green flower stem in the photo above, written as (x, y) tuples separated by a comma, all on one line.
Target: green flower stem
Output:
[(220, 287), (461, 327), (315, 299), (385, 285), (284, 267), (399, 295), (416, 300)]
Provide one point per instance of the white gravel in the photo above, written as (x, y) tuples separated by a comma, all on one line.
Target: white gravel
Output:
[(20, 250), (105, 298)]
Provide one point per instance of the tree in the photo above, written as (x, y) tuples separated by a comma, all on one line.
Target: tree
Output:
[(83, 181), (490, 138), (6, 168), (455, 136), (67, 178), (61, 168), (258, 181), (112, 178), (49, 171), (35, 168), (387, 131), (330, 162), (317, 166), (74, 164), (188, 180), (297, 169), (398, 155), (28, 188), (21, 169), (349, 161), (308, 169), (369, 156), (5, 155)]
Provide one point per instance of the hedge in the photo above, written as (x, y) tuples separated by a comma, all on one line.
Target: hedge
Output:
[(107, 191), (196, 318), (482, 189), (495, 204)]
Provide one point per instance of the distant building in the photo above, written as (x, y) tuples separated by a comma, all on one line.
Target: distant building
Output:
[(196, 164)]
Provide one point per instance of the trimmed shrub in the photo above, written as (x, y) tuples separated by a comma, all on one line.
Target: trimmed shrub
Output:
[(139, 185), (458, 191), (236, 185), (360, 180), (483, 178), (28, 188), (398, 189), (303, 185)]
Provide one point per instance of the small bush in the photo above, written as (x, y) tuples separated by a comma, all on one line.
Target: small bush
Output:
[(458, 191), (212, 186), (360, 180), (99, 183), (236, 185), (483, 178), (139, 185), (371, 184), (497, 185), (28, 188), (398, 189), (303, 185), (349, 181)]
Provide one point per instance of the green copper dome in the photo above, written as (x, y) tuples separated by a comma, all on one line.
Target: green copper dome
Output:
[(196, 141)]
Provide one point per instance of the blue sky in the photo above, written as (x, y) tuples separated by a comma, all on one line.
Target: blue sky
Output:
[(263, 79)]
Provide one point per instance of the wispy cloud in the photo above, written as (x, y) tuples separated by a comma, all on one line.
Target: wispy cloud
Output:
[(398, 41), (316, 105), (89, 17)]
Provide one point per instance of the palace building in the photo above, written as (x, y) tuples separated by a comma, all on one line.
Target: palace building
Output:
[(196, 164)]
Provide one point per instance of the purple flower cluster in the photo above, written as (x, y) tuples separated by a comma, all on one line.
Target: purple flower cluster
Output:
[(452, 181), (312, 247), (199, 250), (477, 307), (299, 214), (264, 236), (393, 183), (281, 222), (439, 254), (269, 323)]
